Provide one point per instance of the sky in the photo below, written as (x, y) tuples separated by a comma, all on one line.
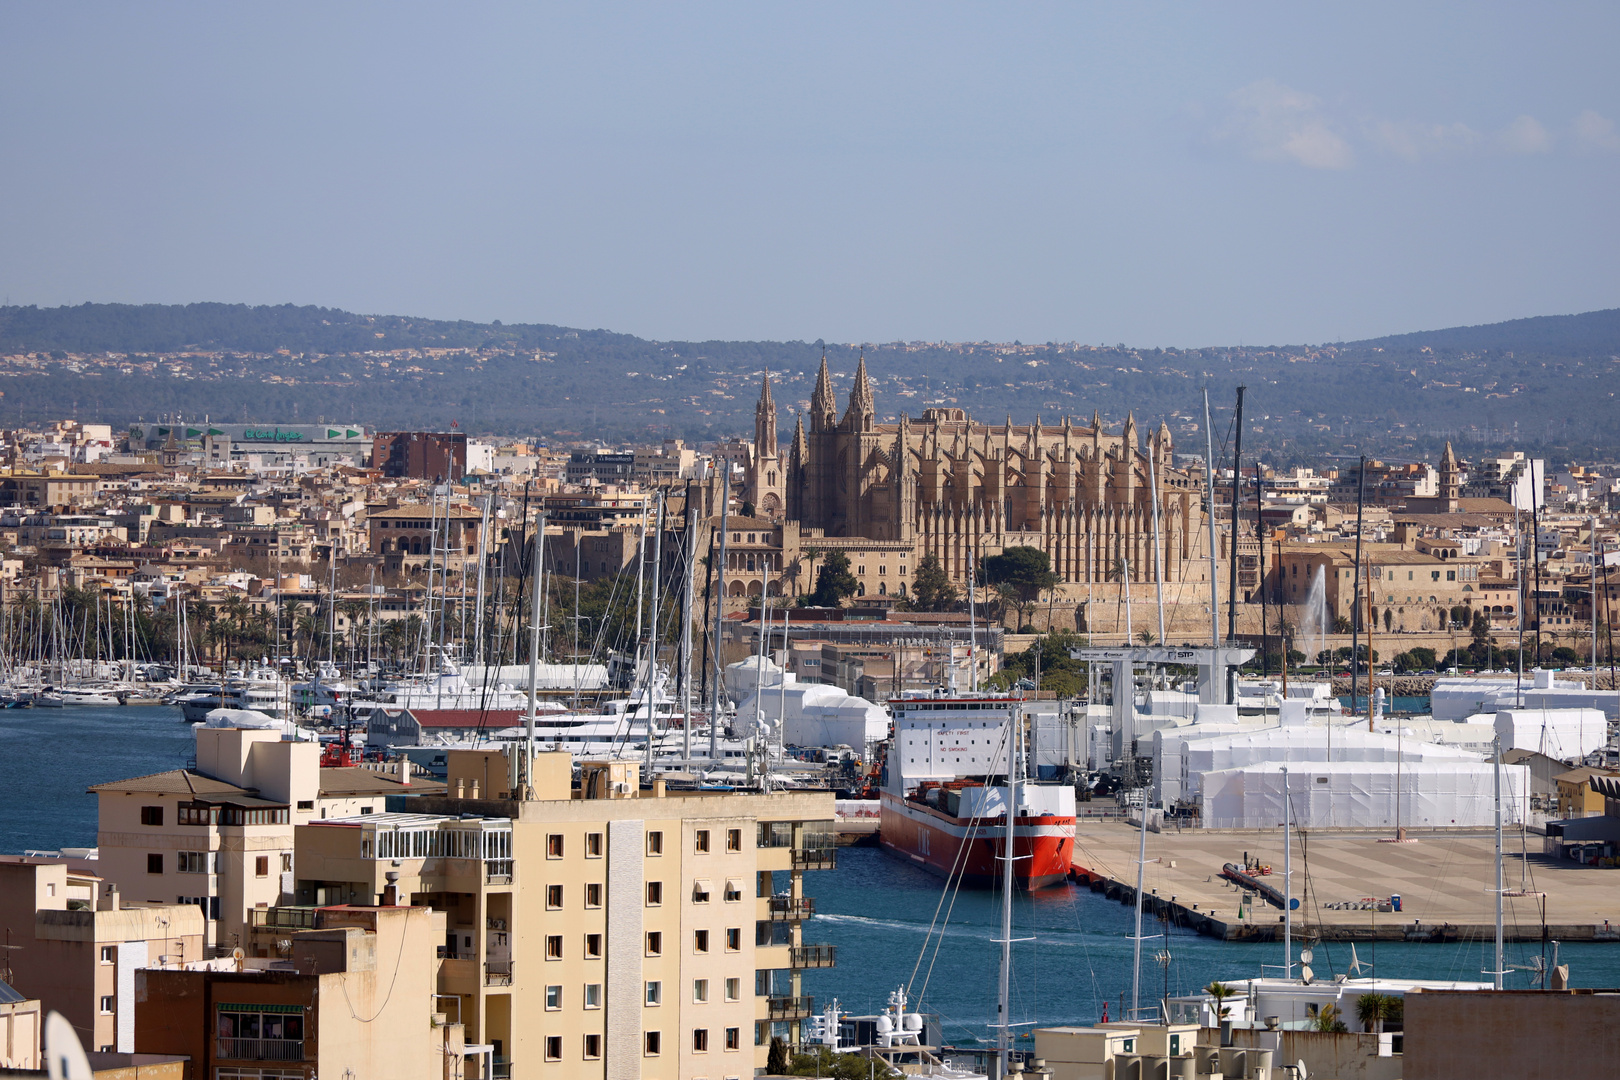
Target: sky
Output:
[(1150, 173)]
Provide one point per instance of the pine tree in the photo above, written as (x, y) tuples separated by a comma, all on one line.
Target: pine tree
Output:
[(931, 588)]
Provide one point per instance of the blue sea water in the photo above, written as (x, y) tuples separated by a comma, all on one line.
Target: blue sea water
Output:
[(876, 909)]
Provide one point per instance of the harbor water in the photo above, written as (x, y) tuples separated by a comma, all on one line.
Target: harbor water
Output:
[(876, 909)]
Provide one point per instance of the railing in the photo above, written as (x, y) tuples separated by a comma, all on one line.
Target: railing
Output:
[(260, 1049), (815, 858), (500, 1069), (789, 1008), (813, 956), (498, 871), (787, 909), (286, 918), (498, 973)]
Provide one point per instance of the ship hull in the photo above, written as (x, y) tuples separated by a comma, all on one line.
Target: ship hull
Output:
[(1043, 845)]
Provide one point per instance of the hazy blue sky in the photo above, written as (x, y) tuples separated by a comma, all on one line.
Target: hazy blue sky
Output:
[(1159, 174)]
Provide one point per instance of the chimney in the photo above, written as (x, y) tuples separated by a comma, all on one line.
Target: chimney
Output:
[(390, 896), (474, 792), (405, 771), (109, 898), (461, 788)]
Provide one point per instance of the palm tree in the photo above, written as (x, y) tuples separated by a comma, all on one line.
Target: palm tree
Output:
[(1220, 992), (1145, 637), (1329, 1019), (1118, 570)]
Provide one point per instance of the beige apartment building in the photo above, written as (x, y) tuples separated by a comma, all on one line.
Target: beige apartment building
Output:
[(220, 836), (354, 996), (75, 946), (607, 931)]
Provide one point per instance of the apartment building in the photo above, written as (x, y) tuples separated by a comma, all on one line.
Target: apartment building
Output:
[(608, 930), (75, 946), (220, 836), (353, 996)]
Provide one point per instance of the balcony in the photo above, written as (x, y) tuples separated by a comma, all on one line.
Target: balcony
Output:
[(498, 973), (259, 1049), (813, 956), (283, 918), (815, 858), (787, 909), (789, 1008)]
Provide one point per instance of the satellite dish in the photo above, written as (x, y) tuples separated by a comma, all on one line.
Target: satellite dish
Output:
[(1304, 1073), (64, 1054), (1293, 903), (1305, 955), (1306, 974)]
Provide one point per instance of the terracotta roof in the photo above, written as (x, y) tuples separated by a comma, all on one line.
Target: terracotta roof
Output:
[(173, 782)]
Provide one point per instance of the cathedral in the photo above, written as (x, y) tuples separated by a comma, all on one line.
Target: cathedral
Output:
[(944, 484)]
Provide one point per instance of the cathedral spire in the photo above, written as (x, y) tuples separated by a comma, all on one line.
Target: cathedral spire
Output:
[(861, 406), (765, 421), (823, 405)]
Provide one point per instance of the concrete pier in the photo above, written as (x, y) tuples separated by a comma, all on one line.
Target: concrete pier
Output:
[(1443, 877)]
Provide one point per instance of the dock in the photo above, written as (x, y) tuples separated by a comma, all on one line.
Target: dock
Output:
[(1346, 879)]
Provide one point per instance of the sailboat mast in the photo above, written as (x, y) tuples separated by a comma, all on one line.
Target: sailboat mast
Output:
[(1288, 878), (1496, 974), (973, 637), (534, 660), (1214, 565), (1136, 941), (478, 614), (719, 622), (1004, 988), (1158, 557), (648, 697), (686, 625)]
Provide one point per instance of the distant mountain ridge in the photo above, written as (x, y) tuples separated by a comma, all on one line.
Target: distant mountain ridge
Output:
[(1546, 383), (92, 327)]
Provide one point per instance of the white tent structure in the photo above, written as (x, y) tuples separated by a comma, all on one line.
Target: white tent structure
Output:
[(755, 672), (1565, 734), (817, 715), (1458, 699), (1363, 794), (547, 676)]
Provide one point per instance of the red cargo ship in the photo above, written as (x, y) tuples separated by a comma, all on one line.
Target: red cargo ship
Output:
[(942, 808)]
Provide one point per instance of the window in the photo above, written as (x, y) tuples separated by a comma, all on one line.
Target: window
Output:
[(1451, 575), (554, 845), (553, 896), (655, 893), (700, 990), (261, 866), (700, 892), (733, 891), (151, 815), (196, 862), (593, 894), (593, 845), (306, 804), (733, 839), (553, 998), (655, 993), (109, 953), (701, 843), (651, 1043), (553, 1047), (655, 843), (554, 947), (593, 946), (655, 943), (700, 941), (700, 1040), (593, 1047), (733, 938), (106, 1005), (593, 995), (154, 864), (733, 1038), (733, 989), (286, 862)]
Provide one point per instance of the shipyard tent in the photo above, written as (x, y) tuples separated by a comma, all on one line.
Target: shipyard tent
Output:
[(547, 676), (1363, 795), (755, 673), (1304, 744), (1565, 734), (1458, 699), (814, 714)]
